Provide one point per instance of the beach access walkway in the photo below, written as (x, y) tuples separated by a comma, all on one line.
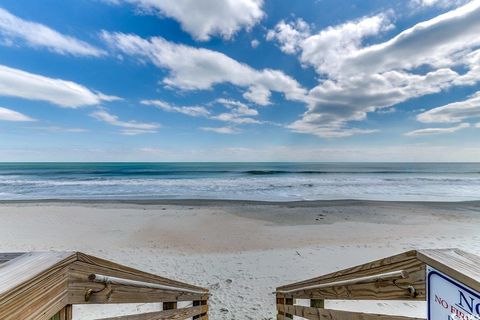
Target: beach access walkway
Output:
[(45, 286)]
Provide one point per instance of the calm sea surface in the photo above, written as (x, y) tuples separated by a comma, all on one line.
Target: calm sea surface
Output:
[(247, 181)]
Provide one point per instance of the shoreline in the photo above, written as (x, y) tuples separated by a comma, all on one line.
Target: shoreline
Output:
[(209, 202)]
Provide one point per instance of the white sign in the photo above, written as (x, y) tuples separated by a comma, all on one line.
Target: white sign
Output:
[(449, 299)]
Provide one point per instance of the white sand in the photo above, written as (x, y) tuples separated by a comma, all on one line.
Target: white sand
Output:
[(241, 250)]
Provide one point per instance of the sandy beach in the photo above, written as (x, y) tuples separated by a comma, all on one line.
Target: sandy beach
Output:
[(240, 250)]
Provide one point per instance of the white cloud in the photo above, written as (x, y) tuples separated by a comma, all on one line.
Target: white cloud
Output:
[(130, 127), (424, 59), (200, 69), (439, 3), (206, 18), (230, 117), (61, 129), (453, 112), (334, 130), (333, 103), (22, 84), (258, 94), (13, 29), (430, 131), (11, 115), (289, 35), (237, 107), (239, 113), (222, 130), (326, 50), (135, 132), (438, 43), (194, 111), (254, 43)]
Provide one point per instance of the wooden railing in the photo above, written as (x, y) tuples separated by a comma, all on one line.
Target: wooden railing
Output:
[(45, 285), (400, 277)]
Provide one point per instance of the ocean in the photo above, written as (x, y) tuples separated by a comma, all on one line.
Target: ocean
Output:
[(241, 181)]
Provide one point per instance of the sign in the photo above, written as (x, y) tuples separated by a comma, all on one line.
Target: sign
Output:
[(449, 299)]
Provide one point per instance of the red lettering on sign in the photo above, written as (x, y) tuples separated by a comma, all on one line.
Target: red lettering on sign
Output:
[(441, 302)]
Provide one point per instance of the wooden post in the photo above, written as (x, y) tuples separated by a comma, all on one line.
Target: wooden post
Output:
[(203, 316), (64, 314), (280, 314), (291, 302), (68, 312), (317, 303)]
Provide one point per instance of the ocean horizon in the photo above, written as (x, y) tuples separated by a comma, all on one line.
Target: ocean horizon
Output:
[(264, 181)]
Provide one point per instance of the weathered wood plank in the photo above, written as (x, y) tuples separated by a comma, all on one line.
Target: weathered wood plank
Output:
[(327, 314), (289, 302), (34, 285), (458, 264), (280, 301), (352, 271), (373, 291), (370, 268), (39, 301), (376, 290), (30, 266), (175, 314), (66, 313), (204, 315)]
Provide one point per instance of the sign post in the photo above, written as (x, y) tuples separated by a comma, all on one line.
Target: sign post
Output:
[(448, 299)]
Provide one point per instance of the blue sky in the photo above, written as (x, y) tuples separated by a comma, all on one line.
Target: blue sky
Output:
[(239, 80)]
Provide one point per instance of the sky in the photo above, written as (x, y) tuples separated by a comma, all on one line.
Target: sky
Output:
[(239, 80)]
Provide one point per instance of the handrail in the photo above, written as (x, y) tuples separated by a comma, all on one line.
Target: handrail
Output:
[(142, 284), (394, 275)]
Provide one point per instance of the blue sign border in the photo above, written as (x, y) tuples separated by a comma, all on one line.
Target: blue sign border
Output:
[(458, 284)]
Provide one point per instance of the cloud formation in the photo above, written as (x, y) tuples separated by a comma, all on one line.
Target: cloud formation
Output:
[(438, 3), (221, 130), (68, 94), (453, 112), (206, 18), (129, 127), (430, 131), (358, 79), (193, 111), (193, 68), (14, 29), (237, 113), (11, 115), (289, 35)]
